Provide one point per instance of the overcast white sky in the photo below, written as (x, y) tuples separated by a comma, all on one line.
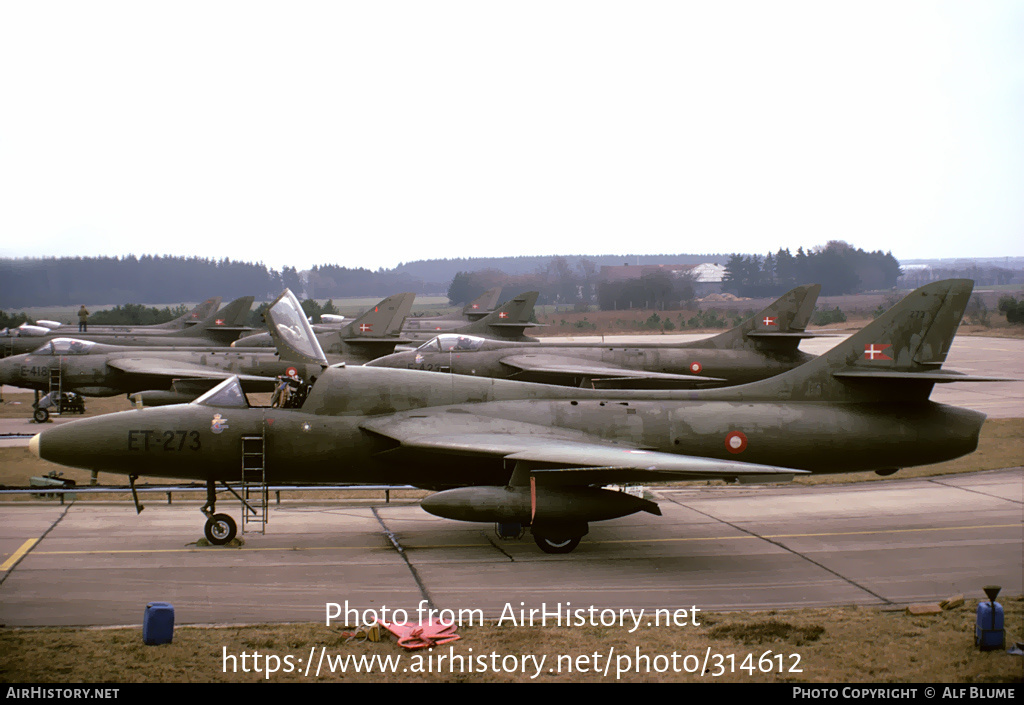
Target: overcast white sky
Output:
[(371, 133)]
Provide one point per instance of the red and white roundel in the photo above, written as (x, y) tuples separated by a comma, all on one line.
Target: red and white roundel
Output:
[(735, 442), (291, 372), (696, 367)]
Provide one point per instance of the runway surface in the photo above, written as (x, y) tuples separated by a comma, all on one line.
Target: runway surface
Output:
[(882, 543)]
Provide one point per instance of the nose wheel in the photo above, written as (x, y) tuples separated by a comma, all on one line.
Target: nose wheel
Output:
[(220, 529)]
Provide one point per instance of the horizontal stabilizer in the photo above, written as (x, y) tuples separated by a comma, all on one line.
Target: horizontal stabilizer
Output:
[(801, 335), (936, 376)]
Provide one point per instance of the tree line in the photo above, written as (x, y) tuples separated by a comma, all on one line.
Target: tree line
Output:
[(837, 266)]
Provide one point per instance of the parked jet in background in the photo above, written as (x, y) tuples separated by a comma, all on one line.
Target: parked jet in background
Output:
[(217, 329), (520, 454), (507, 322), (369, 336), (44, 327), (476, 309), (760, 347), (174, 376)]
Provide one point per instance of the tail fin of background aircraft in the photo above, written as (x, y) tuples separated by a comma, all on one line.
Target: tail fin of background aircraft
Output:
[(382, 321), (895, 358), (778, 327), (193, 317), (508, 321), (198, 314), (482, 305), (224, 325)]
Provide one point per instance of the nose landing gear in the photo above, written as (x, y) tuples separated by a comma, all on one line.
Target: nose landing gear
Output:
[(220, 528)]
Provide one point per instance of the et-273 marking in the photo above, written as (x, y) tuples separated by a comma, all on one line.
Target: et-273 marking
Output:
[(145, 439)]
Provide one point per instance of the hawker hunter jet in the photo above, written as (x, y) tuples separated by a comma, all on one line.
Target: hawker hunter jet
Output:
[(760, 347), (507, 322), (219, 328), (476, 309), (369, 336), (190, 318), (172, 376), (521, 455)]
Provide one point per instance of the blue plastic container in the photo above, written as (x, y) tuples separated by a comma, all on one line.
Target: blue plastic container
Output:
[(158, 623), (988, 629)]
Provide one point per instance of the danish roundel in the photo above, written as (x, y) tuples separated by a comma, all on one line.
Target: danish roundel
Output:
[(696, 367), (735, 442)]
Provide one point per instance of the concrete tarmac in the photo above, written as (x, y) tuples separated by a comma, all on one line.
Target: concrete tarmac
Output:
[(884, 543)]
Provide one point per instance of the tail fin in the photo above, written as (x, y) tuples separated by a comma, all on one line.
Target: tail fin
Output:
[(382, 321), (193, 317), (225, 325), (778, 327), (895, 358), (509, 321), (482, 305)]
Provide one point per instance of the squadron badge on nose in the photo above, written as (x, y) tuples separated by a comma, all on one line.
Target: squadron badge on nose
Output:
[(218, 424)]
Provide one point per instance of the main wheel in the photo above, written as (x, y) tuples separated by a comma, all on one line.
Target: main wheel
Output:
[(41, 415), (220, 529), (556, 545)]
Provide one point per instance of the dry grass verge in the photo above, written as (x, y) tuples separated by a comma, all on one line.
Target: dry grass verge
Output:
[(838, 645)]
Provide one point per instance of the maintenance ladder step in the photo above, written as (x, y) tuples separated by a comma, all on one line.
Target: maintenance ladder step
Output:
[(254, 483)]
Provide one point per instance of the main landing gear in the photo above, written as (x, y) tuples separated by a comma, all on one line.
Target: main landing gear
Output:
[(220, 528), (561, 537), (557, 545)]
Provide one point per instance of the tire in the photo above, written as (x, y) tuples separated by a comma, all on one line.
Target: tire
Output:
[(220, 529), (41, 415), (556, 545)]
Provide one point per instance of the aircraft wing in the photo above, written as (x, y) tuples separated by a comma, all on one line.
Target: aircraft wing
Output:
[(556, 456), (550, 365), (175, 369)]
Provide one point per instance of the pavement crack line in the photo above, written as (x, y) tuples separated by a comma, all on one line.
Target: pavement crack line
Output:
[(784, 548), (967, 489), (38, 541), (401, 551), (496, 546)]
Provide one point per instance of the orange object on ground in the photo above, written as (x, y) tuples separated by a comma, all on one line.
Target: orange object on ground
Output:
[(422, 636)]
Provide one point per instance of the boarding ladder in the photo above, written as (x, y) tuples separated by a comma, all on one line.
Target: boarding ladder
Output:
[(254, 484), (56, 388)]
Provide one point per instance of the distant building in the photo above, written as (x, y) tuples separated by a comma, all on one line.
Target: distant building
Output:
[(707, 278), (617, 273)]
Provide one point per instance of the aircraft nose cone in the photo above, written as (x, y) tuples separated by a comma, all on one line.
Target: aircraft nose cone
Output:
[(33, 445)]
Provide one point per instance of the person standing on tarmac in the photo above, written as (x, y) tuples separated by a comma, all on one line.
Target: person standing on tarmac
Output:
[(83, 318)]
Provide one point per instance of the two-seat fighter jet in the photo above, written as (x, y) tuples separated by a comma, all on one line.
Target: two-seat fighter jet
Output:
[(530, 455)]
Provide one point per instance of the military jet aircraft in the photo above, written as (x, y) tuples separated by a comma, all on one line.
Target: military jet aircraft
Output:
[(189, 318), (173, 376), (507, 322), (522, 454), (371, 335), (473, 311), (760, 347), (219, 328)]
